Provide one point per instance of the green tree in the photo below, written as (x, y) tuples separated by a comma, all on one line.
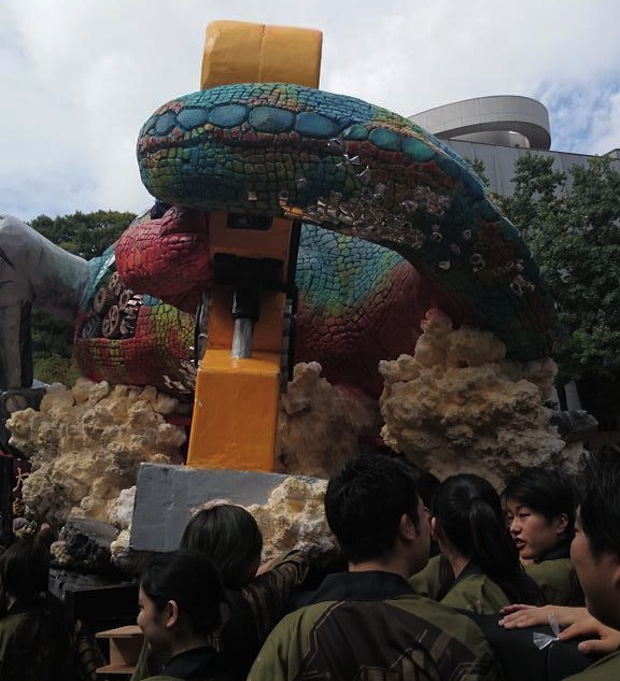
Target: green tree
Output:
[(571, 221), (56, 369), (480, 169), (83, 234), (86, 235)]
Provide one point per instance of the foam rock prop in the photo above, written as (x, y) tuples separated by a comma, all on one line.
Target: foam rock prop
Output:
[(321, 425), (85, 446), (293, 518), (574, 426), (457, 405), (120, 516)]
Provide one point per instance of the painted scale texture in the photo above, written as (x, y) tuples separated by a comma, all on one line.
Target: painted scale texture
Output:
[(156, 351), (353, 168), (358, 303)]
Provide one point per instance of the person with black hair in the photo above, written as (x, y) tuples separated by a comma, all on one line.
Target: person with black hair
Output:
[(480, 565), (595, 551), (229, 535), (179, 611), (367, 621), (540, 504), (34, 633)]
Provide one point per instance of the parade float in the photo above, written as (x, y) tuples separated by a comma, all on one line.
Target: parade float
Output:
[(317, 276)]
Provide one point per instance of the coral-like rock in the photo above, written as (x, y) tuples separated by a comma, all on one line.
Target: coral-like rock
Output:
[(121, 508), (321, 425), (121, 515), (121, 555), (293, 517), (86, 444), (458, 405), (85, 543), (574, 426)]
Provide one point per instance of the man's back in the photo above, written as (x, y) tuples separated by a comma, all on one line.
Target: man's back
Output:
[(370, 625)]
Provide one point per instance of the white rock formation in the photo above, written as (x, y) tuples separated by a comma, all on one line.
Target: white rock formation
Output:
[(293, 517), (457, 405), (86, 444), (321, 425)]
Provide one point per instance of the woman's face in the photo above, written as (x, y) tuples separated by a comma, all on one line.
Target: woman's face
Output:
[(152, 622), (532, 533)]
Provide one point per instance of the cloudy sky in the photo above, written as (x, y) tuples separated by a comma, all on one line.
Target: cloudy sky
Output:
[(79, 77)]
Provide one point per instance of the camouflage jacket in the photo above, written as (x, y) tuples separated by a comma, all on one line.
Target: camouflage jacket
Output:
[(372, 625)]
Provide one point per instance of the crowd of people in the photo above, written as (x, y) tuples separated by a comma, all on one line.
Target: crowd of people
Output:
[(444, 581)]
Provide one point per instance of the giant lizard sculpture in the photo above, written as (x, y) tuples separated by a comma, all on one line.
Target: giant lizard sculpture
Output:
[(394, 224)]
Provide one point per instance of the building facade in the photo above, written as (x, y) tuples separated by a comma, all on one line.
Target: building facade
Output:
[(497, 130)]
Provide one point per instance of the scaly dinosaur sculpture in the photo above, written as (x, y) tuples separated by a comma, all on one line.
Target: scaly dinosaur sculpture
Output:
[(395, 223)]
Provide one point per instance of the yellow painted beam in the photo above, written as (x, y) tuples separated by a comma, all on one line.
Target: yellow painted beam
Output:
[(235, 412), (236, 401), (242, 52)]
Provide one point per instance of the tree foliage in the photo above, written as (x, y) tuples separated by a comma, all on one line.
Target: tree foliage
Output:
[(571, 222), (56, 369), (86, 235), (83, 234), (479, 168)]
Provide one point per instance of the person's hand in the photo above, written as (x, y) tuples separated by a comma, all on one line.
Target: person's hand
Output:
[(520, 616), (516, 607), (602, 640)]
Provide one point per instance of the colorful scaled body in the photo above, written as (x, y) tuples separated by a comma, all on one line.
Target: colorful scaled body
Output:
[(393, 224), (351, 167)]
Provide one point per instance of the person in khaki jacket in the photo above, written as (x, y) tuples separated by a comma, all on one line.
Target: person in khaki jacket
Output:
[(595, 551), (229, 535), (367, 622), (480, 564), (540, 505), (35, 636)]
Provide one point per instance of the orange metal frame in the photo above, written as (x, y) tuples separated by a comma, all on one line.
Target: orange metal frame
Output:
[(236, 402)]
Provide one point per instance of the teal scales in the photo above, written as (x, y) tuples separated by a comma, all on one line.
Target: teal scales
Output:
[(361, 171)]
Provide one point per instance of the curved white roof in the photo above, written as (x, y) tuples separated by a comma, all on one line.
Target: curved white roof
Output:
[(503, 119)]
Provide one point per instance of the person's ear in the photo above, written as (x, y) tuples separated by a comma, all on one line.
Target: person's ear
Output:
[(171, 614), (560, 523), (615, 558), (436, 532), (407, 529)]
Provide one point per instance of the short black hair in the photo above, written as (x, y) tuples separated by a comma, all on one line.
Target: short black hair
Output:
[(547, 491), (192, 580), (24, 569), (230, 536), (599, 510), (365, 501)]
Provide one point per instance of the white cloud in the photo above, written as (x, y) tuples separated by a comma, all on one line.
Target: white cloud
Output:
[(79, 78), (606, 128)]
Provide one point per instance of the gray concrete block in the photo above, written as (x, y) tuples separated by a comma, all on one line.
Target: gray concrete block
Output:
[(166, 495)]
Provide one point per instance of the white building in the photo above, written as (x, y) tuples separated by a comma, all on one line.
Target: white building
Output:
[(497, 130)]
